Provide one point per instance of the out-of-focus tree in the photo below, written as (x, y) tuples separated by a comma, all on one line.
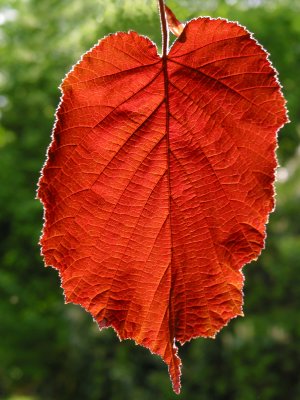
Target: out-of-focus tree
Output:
[(52, 351)]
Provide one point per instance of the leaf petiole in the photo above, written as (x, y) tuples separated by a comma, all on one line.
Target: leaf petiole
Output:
[(164, 28)]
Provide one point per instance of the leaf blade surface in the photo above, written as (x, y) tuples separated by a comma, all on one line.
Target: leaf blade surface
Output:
[(157, 191)]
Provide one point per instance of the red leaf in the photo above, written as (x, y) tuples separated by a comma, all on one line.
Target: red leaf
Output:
[(156, 192)]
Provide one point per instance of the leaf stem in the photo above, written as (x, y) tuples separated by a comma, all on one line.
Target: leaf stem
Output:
[(164, 28)]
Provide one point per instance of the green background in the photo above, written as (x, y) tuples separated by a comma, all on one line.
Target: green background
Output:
[(52, 351)]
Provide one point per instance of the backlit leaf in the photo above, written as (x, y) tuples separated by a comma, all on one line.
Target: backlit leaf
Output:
[(159, 181)]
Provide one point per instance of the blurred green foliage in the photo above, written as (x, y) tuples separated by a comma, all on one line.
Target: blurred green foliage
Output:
[(52, 351)]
